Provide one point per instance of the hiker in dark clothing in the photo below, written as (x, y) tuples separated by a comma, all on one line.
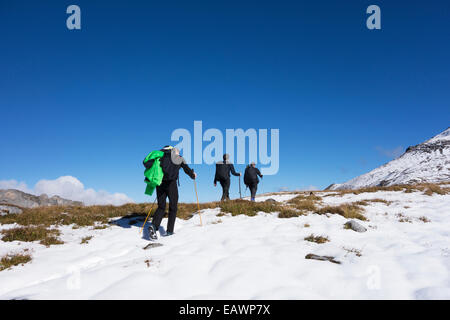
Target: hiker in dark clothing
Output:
[(223, 169), (171, 163), (251, 179)]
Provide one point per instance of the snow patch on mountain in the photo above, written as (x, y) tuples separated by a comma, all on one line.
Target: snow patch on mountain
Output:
[(428, 162)]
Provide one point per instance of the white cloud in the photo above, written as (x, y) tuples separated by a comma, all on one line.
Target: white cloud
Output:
[(307, 188), (14, 184), (68, 187)]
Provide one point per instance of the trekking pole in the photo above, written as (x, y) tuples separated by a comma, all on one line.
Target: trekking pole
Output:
[(240, 195), (198, 204), (151, 208)]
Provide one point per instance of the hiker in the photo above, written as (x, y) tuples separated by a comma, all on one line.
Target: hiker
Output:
[(251, 179), (170, 162), (223, 169)]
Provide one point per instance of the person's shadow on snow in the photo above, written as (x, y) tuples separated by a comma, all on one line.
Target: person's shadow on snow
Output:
[(137, 221)]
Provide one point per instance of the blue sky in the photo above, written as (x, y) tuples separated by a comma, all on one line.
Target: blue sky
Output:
[(92, 103)]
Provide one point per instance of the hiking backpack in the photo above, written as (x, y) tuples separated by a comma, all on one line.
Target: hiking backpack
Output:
[(154, 174)]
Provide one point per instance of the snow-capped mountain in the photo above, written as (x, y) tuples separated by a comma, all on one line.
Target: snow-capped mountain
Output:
[(425, 162)]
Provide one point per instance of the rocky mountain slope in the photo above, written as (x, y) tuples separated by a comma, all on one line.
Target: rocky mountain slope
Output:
[(21, 199), (425, 162)]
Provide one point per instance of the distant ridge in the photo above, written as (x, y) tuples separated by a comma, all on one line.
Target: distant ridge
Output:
[(25, 200), (428, 162)]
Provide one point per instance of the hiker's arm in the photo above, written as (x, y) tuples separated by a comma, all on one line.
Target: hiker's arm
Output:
[(234, 173), (258, 173), (148, 164), (188, 170)]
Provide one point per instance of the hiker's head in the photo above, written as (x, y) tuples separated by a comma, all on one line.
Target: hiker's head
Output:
[(252, 164), (226, 157), (175, 156)]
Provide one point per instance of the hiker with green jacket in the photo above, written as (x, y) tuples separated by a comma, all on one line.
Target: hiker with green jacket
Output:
[(170, 163)]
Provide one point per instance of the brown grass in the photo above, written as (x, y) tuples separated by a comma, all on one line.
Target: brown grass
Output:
[(97, 216), (424, 219), (305, 203), (236, 207), (357, 252), (80, 216), (317, 239), (85, 239), (46, 236), (366, 202), (402, 218), (349, 211), (434, 188), (429, 188), (290, 213), (11, 260)]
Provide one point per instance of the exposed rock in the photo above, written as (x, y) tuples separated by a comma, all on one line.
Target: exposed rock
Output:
[(24, 200), (5, 209), (355, 226), (321, 258), (152, 245), (271, 200), (331, 187)]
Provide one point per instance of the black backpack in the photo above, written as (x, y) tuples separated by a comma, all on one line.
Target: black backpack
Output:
[(247, 177)]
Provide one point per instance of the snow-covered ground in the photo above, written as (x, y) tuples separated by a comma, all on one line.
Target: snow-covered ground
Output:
[(242, 257)]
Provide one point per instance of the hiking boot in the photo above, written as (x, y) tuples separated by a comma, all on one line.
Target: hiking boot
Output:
[(152, 232), (169, 234)]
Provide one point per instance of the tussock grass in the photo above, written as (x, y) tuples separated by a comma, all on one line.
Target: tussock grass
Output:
[(386, 202), (402, 218), (11, 260), (366, 202), (317, 239), (434, 188), (424, 219), (85, 239), (290, 213), (100, 227), (305, 203), (347, 210), (302, 197), (236, 207), (429, 188), (356, 252), (46, 236), (80, 216)]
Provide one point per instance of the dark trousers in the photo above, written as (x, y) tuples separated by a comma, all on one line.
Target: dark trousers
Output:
[(253, 187), (166, 189), (225, 183)]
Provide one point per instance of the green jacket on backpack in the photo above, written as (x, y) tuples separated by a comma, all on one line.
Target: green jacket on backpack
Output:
[(154, 174)]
